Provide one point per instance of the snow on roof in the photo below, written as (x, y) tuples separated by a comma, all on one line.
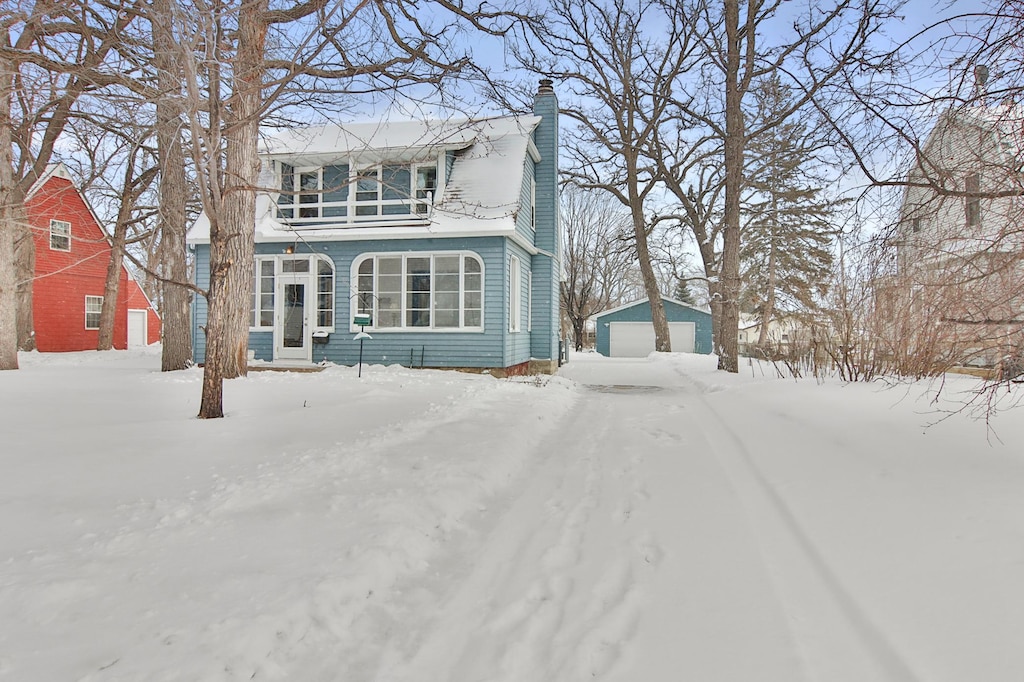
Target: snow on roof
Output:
[(373, 136), (1006, 121), (53, 170), (644, 300), (480, 196)]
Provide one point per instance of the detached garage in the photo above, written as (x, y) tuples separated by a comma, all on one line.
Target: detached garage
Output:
[(627, 331)]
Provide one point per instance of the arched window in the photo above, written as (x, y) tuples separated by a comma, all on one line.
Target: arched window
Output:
[(420, 291)]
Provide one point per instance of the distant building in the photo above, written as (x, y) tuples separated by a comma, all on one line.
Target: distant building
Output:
[(72, 256), (958, 291), (628, 330)]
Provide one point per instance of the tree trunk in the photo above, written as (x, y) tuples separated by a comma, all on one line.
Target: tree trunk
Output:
[(734, 144), (175, 299), (232, 243), (25, 269), (662, 340), (769, 300), (8, 223), (578, 330), (108, 313)]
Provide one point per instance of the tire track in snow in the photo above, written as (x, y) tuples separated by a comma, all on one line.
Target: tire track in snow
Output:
[(837, 638), (553, 593)]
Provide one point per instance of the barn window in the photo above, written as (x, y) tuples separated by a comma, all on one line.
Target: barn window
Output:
[(60, 235), (93, 308)]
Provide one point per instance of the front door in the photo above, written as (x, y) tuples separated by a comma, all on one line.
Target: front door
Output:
[(292, 328)]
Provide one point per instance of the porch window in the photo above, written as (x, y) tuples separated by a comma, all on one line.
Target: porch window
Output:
[(420, 292), (324, 294), (93, 308), (388, 189), (426, 187), (262, 313), (309, 193), (60, 235), (319, 270)]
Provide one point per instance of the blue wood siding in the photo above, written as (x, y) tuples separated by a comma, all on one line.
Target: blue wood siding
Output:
[(524, 215), (481, 349), (202, 280), (641, 312), (546, 271), (518, 345)]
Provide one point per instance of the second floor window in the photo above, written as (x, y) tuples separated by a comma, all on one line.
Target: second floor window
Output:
[(972, 183), (60, 235), (313, 192), (388, 189)]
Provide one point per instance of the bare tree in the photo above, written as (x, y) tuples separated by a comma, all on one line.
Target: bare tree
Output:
[(623, 61), (740, 46), (116, 169), (175, 299), (597, 255), (51, 54)]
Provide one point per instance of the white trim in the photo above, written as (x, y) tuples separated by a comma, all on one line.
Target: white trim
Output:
[(359, 170), (515, 294), (644, 300), (57, 221), (313, 283), (95, 312), (529, 301), (531, 147)]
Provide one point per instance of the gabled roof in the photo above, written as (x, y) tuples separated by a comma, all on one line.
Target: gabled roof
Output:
[(61, 172), (644, 300), (53, 170), (1004, 121), (481, 195)]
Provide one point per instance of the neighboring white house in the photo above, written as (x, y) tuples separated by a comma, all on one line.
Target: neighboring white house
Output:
[(783, 333), (960, 278)]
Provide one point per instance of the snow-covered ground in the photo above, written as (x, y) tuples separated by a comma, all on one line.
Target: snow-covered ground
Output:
[(626, 520)]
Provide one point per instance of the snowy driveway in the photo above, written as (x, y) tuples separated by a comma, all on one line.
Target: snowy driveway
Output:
[(678, 530), (627, 520)]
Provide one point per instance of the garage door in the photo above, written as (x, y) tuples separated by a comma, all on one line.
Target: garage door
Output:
[(636, 339)]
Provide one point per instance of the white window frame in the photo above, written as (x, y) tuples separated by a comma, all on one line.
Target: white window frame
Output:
[(515, 293), (357, 295), (360, 171), (97, 310), (62, 230), (533, 202), (256, 320), (529, 301)]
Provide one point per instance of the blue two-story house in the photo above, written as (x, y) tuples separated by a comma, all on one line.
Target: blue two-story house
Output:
[(439, 239)]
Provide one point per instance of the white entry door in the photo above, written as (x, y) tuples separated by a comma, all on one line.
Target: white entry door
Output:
[(292, 328), (636, 339), (137, 328)]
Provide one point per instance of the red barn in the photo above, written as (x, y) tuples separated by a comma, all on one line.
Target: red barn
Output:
[(72, 254)]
